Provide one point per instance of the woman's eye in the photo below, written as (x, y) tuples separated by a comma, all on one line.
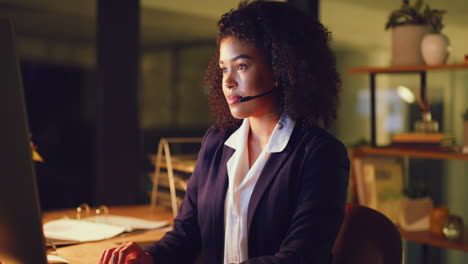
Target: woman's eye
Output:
[(241, 67), (223, 70)]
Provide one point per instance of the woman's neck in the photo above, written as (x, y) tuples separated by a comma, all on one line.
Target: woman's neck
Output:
[(261, 128)]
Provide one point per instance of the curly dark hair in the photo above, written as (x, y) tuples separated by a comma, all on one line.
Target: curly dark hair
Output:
[(297, 46)]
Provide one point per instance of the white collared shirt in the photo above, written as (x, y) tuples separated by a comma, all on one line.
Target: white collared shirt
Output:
[(242, 181)]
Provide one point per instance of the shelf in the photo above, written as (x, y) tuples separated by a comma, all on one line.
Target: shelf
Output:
[(413, 153), (182, 163), (409, 69), (425, 237)]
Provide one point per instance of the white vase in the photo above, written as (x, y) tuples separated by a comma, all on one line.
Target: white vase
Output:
[(435, 48), (406, 44)]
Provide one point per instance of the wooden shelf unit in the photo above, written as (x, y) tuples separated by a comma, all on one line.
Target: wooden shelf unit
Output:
[(164, 159), (182, 163), (408, 69), (425, 237), (412, 69), (411, 153)]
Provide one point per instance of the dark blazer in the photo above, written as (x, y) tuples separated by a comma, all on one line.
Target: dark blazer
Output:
[(295, 211)]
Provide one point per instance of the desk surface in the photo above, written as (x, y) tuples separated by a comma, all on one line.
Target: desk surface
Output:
[(86, 253)]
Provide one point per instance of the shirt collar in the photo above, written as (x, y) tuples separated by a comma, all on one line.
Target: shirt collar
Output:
[(238, 138), (278, 139), (281, 134)]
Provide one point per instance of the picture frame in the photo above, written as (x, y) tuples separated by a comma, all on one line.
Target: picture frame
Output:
[(379, 184)]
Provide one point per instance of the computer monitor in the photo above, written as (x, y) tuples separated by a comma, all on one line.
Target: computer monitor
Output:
[(21, 235)]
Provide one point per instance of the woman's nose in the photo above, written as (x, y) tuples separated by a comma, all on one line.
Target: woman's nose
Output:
[(229, 81)]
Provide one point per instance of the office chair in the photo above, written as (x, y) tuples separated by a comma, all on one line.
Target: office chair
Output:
[(367, 236)]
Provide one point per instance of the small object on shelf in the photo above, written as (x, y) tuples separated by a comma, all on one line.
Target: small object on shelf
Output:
[(438, 218), (453, 228), (416, 206), (466, 58), (426, 125), (435, 48), (414, 214), (406, 47)]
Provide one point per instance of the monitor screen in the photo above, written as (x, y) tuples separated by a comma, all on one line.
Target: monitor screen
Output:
[(21, 236)]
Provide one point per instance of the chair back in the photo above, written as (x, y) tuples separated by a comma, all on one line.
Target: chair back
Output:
[(367, 236)]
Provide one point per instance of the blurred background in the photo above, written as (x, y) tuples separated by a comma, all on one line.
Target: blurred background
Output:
[(95, 125)]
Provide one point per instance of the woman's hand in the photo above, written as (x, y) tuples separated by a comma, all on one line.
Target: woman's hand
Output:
[(127, 253)]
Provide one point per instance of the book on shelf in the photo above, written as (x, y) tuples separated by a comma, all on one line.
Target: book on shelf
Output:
[(424, 141), (412, 137), (379, 183)]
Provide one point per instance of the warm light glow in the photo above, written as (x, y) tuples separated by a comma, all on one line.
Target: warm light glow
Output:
[(405, 94)]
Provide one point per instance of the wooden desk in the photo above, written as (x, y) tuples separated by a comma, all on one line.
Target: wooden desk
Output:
[(88, 253)]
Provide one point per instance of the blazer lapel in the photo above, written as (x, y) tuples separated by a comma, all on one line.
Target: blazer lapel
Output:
[(268, 173), (219, 196)]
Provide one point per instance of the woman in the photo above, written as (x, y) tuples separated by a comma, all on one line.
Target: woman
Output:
[(269, 185)]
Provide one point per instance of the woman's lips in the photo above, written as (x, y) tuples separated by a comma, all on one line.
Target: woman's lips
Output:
[(231, 99)]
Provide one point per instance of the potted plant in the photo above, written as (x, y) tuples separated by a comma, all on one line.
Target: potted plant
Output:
[(465, 131), (415, 207), (407, 15), (409, 24), (434, 45)]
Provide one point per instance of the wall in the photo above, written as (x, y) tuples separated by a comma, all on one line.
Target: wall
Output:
[(57, 51), (172, 91)]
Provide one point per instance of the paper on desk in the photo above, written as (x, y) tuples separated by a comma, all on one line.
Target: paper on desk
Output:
[(129, 223), (80, 230), (54, 259)]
